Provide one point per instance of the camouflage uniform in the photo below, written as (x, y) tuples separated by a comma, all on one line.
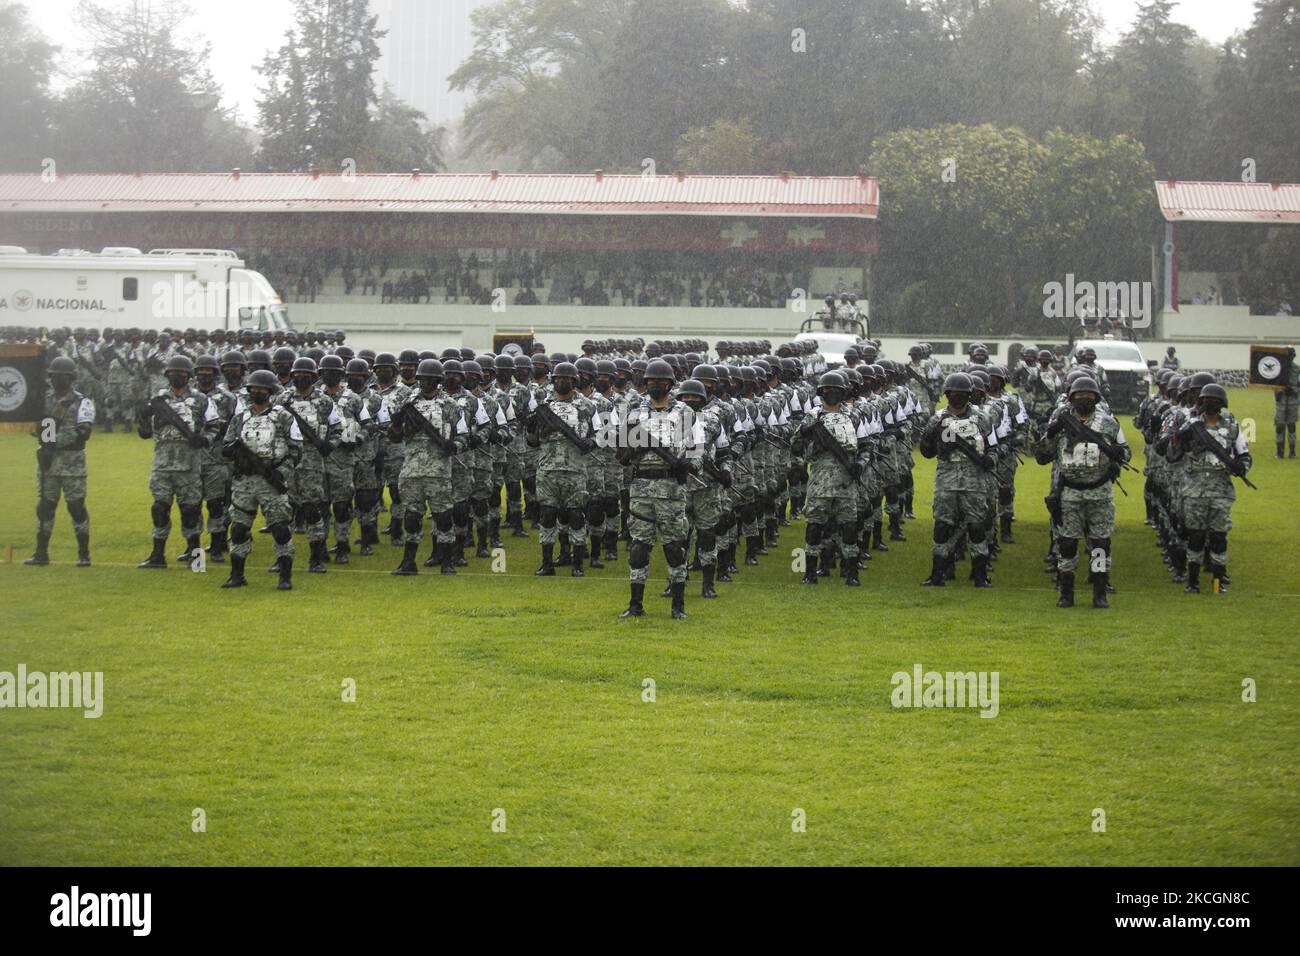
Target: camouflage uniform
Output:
[(960, 485), (562, 472), (274, 437), (341, 466), (1208, 492), (214, 469), (657, 500), (1287, 407), (366, 480), (704, 491), (391, 450), (426, 479), (66, 474), (833, 500), (307, 478), (119, 384), (176, 472)]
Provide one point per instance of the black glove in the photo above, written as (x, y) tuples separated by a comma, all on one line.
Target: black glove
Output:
[(724, 478), (1239, 468), (681, 469), (1056, 427), (586, 445), (198, 441), (325, 449)]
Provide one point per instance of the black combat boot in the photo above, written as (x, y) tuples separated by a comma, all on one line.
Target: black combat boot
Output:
[(611, 546), (369, 538), (1006, 530), (878, 539), (1281, 449), (950, 568), (218, 549), (482, 551), (566, 551), (494, 530), (516, 521), (827, 560), (435, 554), (773, 534), (286, 574), (407, 567), (156, 559), (724, 567), (236, 579), (635, 607), (937, 578), (896, 527), (1065, 584), (1099, 581), (193, 543), (547, 570), (1219, 577), (707, 591), (907, 506), (667, 592), (1193, 578), (83, 550), (316, 558), (809, 569), (595, 552), (41, 556), (752, 548), (342, 551), (1182, 567), (980, 570), (731, 556), (394, 531), (448, 553), (679, 601), (851, 573), (579, 556)]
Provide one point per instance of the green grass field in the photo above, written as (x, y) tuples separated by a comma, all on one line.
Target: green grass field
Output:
[(489, 691)]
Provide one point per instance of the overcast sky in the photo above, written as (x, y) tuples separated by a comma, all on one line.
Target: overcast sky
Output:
[(242, 31)]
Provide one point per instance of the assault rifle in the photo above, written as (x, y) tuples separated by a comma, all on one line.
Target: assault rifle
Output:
[(828, 443), (1085, 434), (1202, 435), (250, 463), (168, 414), (309, 433), (546, 416), (411, 414)]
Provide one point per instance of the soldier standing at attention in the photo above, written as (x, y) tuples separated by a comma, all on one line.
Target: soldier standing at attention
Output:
[(829, 438), (260, 438), (61, 461), (1208, 493), (961, 438), (657, 497), (1287, 404), (312, 408), (561, 428), (1088, 447), (214, 469), (182, 422)]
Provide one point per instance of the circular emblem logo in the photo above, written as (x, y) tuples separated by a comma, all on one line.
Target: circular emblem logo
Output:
[(23, 300), (13, 388), (1269, 367)]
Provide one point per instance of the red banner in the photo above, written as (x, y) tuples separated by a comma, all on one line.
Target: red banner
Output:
[(47, 232)]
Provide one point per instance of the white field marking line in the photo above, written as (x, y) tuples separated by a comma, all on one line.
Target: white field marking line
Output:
[(298, 576)]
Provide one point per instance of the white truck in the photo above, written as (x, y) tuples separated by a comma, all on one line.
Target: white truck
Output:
[(122, 287)]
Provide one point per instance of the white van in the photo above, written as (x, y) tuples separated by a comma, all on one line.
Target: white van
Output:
[(126, 288)]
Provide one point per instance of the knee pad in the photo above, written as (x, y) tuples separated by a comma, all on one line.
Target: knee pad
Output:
[(342, 511), (708, 539), (239, 533), (161, 512), (412, 522), (638, 555), (77, 508), (216, 507), (812, 534), (367, 499), (1218, 541), (611, 509), (891, 494), (46, 507), (281, 534), (1068, 547), (494, 500), (460, 512), (575, 518), (943, 532), (444, 522), (595, 513), (1195, 540), (1095, 543), (310, 513), (675, 553), (747, 512), (547, 516)]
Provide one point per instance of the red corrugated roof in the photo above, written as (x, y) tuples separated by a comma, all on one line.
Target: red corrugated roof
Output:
[(1229, 202), (569, 194)]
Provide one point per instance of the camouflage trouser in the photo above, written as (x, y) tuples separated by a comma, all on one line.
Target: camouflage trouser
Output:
[(657, 504), (1086, 515), (365, 483), (340, 486), (1285, 410), (307, 496), (186, 487), (1208, 519), (421, 493), (73, 489), (828, 514), (247, 494), (703, 513), (481, 491), (745, 491), (595, 493), (215, 480), (394, 458), (1006, 477), (893, 470), (955, 510), (562, 493)]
